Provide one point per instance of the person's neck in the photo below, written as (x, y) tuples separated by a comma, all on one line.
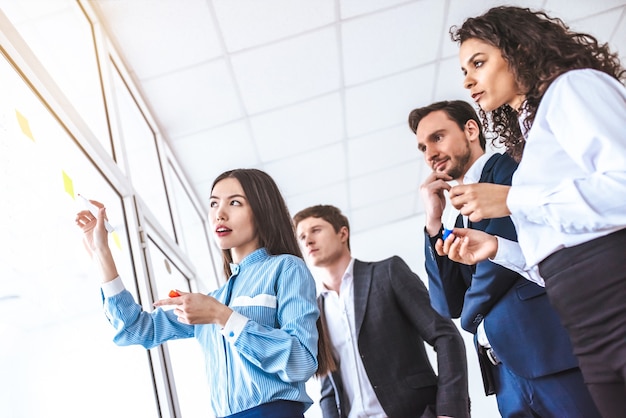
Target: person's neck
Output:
[(333, 273), (469, 164)]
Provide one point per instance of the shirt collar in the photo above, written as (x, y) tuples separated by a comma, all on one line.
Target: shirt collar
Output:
[(347, 275), (475, 171), (255, 256)]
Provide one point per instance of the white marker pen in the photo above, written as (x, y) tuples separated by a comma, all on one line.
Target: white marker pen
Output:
[(448, 225), (94, 211)]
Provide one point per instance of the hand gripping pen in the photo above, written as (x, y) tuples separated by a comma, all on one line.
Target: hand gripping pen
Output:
[(94, 211), (448, 225)]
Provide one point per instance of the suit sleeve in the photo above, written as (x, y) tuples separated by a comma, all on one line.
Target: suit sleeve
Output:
[(328, 399), (447, 281), (490, 281), (439, 332)]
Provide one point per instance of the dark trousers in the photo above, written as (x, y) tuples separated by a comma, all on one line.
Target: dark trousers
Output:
[(276, 409), (586, 284)]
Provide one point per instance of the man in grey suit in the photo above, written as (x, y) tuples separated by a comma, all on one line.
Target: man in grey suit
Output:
[(376, 317)]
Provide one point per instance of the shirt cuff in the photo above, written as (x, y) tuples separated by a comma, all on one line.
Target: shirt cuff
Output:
[(509, 255), (112, 288), (525, 199), (234, 326)]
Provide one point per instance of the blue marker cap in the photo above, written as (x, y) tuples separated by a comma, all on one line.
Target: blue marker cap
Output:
[(446, 233)]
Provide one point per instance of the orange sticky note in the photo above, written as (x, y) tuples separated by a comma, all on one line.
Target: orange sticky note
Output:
[(68, 184), (24, 126)]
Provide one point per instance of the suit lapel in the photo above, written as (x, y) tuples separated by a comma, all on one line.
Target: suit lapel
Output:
[(362, 281)]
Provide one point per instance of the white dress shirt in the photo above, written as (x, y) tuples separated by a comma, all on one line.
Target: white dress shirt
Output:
[(358, 390), (570, 186)]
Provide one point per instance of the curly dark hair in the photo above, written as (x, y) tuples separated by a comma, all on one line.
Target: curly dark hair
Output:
[(538, 49)]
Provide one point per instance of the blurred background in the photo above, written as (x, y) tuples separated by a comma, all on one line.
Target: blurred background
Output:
[(142, 103)]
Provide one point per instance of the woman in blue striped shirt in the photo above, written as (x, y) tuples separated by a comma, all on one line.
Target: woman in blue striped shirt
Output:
[(258, 331)]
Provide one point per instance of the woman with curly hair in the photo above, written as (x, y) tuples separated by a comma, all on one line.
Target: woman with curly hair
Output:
[(556, 99)]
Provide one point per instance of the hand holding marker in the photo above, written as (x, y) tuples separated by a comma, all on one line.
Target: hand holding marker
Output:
[(94, 211), (448, 225)]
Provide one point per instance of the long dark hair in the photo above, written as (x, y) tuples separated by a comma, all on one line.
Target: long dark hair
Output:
[(271, 216), (538, 49)]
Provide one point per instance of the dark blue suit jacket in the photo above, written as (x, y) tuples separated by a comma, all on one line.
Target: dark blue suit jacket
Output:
[(521, 325)]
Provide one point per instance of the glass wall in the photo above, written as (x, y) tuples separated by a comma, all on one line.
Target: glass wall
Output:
[(59, 138), (56, 341)]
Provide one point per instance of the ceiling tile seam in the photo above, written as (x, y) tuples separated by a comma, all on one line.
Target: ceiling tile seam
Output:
[(227, 57), (620, 21), (404, 218), (391, 75), (446, 12), (379, 11), (343, 104), (260, 113), (348, 180)]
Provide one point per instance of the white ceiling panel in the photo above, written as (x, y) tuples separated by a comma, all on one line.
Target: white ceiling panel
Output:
[(601, 25), (315, 170), (298, 128), (249, 23), (383, 211), (384, 184), (289, 71), (619, 38), (204, 155), (449, 81), (335, 194), (195, 98), (381, 149), (405, 239), (387, 102), (570, 10), (351, 8), (395, 46), (159, 37)]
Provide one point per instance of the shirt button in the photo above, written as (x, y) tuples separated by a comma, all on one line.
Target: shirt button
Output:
[(231, 334)]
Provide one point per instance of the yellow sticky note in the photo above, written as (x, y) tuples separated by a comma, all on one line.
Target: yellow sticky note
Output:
[(116, 239), (24, 126), (68, 184)]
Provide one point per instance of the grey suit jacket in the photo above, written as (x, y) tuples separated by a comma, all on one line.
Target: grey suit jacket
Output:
[(393, 319)]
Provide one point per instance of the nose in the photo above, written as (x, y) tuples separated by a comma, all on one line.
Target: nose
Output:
[(468, 81), (430, 153), (218, 214)]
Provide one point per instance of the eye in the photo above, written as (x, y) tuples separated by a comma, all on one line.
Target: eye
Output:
[(422, 148), (478, 63), (213, 204), (235, 202)]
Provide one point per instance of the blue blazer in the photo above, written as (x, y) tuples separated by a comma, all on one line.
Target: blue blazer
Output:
[(521, 325)]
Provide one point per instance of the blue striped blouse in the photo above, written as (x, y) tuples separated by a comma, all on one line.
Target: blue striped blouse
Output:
[(266, 351)]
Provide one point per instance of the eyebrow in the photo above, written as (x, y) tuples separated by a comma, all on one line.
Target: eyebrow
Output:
[(435, 133), (470, 59), (228, 197), (432, 135)]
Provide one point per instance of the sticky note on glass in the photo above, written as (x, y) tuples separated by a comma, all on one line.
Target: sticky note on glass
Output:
[(24, 125), (68, 184)]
